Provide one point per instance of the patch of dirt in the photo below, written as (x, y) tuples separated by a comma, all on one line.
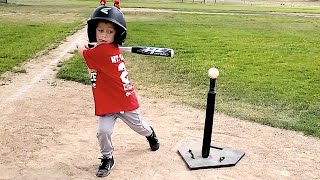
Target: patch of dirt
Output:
[(48, 131)]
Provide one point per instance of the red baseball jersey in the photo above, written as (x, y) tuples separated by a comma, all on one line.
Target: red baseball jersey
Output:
[(112, 90)]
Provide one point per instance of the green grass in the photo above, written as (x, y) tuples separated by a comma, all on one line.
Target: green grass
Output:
[(268, 64), (18, 46), (74, 70), (210, 7), (29, 30)]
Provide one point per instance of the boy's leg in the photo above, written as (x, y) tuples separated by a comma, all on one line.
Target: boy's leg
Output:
[(105, 129), (135, 122)]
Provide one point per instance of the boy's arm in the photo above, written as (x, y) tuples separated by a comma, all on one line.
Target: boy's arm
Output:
[(82, 45)]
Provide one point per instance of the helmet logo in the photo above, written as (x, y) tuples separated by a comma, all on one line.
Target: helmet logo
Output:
[(105, 10)]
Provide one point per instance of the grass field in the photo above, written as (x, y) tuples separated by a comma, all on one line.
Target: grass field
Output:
[(269, 64), (28, 30)]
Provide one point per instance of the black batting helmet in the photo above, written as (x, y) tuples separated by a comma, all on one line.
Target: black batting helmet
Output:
[(111, 14)]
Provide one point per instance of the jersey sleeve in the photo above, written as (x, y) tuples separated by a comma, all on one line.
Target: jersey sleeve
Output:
[(96, 57), (90, 56)]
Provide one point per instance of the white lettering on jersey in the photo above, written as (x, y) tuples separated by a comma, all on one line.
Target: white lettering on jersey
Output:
[(114, 59), (124, 78), (117, 58), (93, 79), (124, 73)]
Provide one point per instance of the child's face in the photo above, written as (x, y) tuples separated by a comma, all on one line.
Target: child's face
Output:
[(105, 32)]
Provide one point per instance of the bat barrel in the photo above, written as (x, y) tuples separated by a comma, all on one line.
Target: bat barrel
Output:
[(153, 51)]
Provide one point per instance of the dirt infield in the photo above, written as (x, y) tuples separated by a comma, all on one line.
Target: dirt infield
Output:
[(48, 131)]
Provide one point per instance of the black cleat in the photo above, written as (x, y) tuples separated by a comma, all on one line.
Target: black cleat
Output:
[(106, 165), (153, 141)]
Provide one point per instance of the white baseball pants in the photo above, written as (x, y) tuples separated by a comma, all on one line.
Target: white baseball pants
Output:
[(107, 122)]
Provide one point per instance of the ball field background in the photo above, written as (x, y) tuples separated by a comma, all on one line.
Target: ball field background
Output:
[(267, 55)]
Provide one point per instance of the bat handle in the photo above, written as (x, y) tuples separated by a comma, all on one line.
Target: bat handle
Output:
[(91, 45), (128, 49)]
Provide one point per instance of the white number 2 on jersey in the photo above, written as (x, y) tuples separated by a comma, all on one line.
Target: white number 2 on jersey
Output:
[(124, 73)]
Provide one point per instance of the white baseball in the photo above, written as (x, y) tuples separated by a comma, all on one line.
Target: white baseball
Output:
[(213, 73)]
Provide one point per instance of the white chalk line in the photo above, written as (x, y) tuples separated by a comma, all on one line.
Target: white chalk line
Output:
[(26, 87)]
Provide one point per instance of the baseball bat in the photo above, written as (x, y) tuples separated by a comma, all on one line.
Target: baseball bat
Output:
[(151, 51), (144, 50)]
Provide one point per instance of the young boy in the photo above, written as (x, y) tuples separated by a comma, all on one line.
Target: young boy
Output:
[(114, 95)]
